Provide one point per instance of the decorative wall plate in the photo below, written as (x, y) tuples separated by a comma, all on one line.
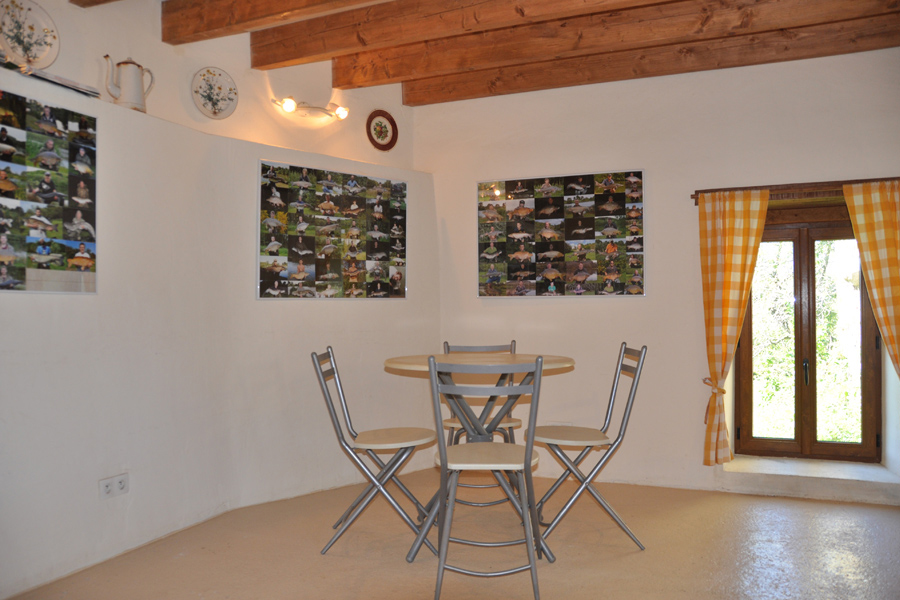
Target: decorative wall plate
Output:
[(28, 35), (214, 92), (382, 130)]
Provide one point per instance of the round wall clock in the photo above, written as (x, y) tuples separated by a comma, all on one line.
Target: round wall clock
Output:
[(382, 130)]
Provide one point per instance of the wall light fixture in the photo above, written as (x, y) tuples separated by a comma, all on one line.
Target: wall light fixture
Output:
[(303, 109)]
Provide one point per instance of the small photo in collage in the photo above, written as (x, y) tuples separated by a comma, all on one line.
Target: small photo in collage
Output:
[(575, 235), (48, 200), (326, 234)]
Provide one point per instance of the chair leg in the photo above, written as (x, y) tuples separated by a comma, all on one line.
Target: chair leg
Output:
[(349, 521), (444, 509), (430, 519), (364, 493), (377, 483), (352, 506), (572, 468), (612, 513), (444, 531), (527, 523), (535, 521), (560, 480), (421, 510), (517, 503)]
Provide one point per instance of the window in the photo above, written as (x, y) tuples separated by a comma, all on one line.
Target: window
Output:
[(808, 364)]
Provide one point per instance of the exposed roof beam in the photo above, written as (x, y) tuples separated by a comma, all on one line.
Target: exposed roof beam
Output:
[(684, 21), (195, 20), (801, 43), (408, 21)]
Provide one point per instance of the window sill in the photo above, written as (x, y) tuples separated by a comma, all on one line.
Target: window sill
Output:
[(820, 479)]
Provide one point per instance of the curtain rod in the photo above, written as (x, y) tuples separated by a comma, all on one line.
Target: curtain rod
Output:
[(837, 187)]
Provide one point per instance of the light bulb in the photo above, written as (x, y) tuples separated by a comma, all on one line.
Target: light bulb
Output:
[(341, 112), (289, 105)]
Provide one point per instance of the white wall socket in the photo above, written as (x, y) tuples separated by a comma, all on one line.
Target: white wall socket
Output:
[(114, 486)]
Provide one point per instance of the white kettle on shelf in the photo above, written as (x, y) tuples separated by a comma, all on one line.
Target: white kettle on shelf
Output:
[(125, 83)]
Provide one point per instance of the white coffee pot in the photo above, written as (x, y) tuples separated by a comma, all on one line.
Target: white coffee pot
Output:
[(125, 83)]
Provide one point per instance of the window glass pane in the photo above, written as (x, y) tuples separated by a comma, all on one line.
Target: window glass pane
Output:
[(773, 341), (838, 352)]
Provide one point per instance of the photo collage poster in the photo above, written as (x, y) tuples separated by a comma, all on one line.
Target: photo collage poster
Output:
[(325, 234), (576, 235), (48, 227)]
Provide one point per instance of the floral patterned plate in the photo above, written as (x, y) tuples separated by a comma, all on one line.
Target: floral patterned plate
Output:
[(27, 34), (214, 92), (382, 130)]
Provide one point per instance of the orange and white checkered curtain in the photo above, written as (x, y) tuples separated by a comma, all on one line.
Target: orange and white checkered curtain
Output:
[(731, 226), (875, 213)]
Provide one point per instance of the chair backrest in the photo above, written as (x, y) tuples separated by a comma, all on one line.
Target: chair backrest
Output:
[(442, 385), (630, 364), (327, 371), (510, 347)]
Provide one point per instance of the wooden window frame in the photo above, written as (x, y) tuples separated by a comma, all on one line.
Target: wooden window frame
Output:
[(799, 224)]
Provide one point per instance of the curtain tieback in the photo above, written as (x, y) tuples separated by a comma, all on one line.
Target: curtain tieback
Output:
[(712, 398)]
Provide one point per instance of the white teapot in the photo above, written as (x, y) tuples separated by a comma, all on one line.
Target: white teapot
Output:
[(126, 84)]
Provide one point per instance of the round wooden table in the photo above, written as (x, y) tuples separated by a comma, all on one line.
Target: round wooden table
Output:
[(418, 363)]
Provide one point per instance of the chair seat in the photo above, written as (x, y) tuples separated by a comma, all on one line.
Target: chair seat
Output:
[(569, 435), (505, 423), (393, 438), (486, 456)]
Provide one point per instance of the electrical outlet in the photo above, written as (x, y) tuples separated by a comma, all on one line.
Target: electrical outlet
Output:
[(106, 488), (120, 483), (114, 486)]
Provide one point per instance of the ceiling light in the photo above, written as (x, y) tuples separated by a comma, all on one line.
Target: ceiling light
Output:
[(303, 109)]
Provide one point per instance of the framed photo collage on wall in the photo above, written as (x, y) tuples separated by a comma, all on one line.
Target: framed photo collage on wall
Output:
[(326, 234), (574, 235), (48, 197)]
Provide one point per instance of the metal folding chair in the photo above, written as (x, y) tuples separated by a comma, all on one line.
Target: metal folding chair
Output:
[(507, 424), (510, 464), (555, 436), (503, 426), (402, 440)]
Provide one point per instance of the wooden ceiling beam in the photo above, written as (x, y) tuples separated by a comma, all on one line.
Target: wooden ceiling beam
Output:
[(408, 21), (186, 21), (856, 35), (684, 21)]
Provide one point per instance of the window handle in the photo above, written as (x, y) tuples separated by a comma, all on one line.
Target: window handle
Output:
[(806, 371)]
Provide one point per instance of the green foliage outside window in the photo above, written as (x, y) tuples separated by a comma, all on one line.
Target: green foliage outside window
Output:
[(837, 341)]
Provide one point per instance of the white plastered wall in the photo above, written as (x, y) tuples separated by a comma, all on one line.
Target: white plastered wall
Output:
[(819, 120), (174, 372)]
